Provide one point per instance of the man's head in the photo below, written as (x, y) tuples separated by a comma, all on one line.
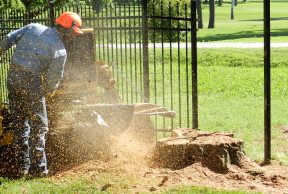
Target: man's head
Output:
[(70, 25)]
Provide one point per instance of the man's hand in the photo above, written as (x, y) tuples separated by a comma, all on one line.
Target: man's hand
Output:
[(49, 95), (1, 52), (55, 93)]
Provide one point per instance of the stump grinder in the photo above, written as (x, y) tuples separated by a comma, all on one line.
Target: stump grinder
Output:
[(84, 113)]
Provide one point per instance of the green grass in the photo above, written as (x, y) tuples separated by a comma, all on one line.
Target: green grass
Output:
[(230, 97), (46, 185), (201, 190), (248, 23), (231, 93), (98, 183)]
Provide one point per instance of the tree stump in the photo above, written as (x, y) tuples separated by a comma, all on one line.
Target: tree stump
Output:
[(215, 150)]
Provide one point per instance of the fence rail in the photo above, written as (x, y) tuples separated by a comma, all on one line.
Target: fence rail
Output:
[(138, 41)]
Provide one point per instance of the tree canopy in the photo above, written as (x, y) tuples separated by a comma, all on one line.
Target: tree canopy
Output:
[(16, 4), (26, 4)]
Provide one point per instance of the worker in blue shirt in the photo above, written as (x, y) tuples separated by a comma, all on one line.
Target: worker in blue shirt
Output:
[(36, 69)]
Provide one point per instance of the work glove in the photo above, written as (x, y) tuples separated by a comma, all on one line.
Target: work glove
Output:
[(1, 52), (55, 93), (50, 95)]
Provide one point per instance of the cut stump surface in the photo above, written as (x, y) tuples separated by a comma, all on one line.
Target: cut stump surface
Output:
[(217, 151)]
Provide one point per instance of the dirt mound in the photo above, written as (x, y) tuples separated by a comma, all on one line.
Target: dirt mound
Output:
[(132, 158)]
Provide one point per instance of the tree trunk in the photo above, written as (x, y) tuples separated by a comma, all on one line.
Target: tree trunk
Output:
[(232, 9), (199, 13), (32, 13), (212, 14), (236, 2), (220, 2)]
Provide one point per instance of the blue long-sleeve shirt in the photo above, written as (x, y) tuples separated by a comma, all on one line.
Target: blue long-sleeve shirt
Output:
[(40, 50)]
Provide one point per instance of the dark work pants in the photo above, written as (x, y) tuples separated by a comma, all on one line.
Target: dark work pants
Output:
[(30, 122)]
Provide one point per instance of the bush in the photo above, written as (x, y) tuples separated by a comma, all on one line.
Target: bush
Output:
[(16, 4), (168, 8)]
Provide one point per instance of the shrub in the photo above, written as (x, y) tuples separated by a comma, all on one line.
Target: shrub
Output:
[(168, 8)]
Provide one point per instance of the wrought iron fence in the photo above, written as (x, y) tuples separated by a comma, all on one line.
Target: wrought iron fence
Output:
[(149, 45)]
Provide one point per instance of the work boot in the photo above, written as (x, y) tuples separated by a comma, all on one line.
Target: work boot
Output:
[(38, 172), (20, 174), (25, 172)]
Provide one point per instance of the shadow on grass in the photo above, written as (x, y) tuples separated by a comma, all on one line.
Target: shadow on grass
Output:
[(243, 34), (272, 19)]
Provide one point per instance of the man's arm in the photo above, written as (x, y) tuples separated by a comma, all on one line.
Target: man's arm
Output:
[(4, 45), (55, 72), (12, 38)]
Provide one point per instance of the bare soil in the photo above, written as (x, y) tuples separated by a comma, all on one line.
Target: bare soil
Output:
[(132, 158)]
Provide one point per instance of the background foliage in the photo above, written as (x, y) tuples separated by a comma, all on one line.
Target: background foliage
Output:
[(169, 8), (16, 4)]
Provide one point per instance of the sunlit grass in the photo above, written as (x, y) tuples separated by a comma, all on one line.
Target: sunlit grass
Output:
[(247, 25), (230, 97), (230, 89)]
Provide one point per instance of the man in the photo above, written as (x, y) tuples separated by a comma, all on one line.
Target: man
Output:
[(36, 70)]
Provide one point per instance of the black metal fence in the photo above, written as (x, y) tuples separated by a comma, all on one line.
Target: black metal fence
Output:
[(150, 46)]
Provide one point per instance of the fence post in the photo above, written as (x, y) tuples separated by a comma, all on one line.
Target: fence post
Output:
[(145, 51), (194, 64), (267, 84), (52, 14)]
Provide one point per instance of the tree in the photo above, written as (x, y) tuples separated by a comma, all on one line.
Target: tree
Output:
[(97, 5), (232, 9), (220, 2), (25, 9), (199, 13), (17, 4), (168, 8), (29, 6), (212, 14)]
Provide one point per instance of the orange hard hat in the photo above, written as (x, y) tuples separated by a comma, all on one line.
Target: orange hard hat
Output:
[(70, 19)]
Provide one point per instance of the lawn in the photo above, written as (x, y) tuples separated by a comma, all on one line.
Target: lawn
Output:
[(231, 96), (231, 80), (248, 23), (230, 99)]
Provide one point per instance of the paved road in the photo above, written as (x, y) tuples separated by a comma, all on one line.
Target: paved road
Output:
[(239, 45), (199, 44)]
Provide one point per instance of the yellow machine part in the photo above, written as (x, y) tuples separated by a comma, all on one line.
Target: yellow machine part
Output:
[(6, 139), (1, 128)]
